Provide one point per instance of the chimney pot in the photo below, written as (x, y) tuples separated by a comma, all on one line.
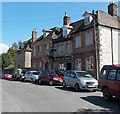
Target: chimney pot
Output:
[(66, 19), (112, 9)]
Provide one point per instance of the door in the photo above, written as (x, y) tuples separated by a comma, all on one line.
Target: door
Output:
[(68, 66)]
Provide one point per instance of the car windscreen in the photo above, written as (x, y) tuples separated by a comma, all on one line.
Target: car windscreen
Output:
[(23, 72), (59, 73), (35, 73), (84, 74), (52, 73)]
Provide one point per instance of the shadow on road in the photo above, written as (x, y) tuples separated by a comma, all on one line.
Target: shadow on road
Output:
[(113, 105), (71, 89)]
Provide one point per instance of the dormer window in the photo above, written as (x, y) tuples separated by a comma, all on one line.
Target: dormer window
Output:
[(87, 18), (66, 30), (45, 33)]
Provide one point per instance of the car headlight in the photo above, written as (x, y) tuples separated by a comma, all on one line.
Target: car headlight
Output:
[(82, 82), (96, 82), (55, 79), (36, 77)]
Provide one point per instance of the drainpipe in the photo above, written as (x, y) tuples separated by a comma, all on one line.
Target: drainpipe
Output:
[(112, 46), (96, 47)]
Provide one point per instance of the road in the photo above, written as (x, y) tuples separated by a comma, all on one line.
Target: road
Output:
[(28, 97)]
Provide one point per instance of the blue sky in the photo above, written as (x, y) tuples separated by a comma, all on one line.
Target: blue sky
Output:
[(20, 18)]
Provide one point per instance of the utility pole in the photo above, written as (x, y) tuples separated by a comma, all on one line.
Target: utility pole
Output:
[(96, 44)]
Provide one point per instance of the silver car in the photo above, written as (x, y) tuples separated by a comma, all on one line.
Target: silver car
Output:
[(31, 76), (80, 80)]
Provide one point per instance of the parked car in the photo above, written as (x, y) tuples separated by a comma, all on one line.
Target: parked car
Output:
[(80, 80), (22, 75), (50, 77), (1, 75), (6, 76), (59, 73), (31, 76), (19, 74), (109, 81)]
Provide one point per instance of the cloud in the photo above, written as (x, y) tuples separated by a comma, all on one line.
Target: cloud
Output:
[(3, 48)]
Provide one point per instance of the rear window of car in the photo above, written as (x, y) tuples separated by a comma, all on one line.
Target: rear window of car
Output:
[(52, 73), (59, 73)]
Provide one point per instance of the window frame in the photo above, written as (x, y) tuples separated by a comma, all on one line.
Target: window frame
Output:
[(90, 63), (111, 78), (78, 41)]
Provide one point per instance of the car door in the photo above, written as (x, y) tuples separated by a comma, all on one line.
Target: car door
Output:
[(26, 76), (111, 81), (43, 76), (67, 78), (118, 83), (72, 79)]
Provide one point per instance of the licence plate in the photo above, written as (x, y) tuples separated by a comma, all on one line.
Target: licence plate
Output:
[(91, 86)]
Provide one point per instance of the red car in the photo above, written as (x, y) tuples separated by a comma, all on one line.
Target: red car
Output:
[(6, 76), (109, 81), (50, 77)]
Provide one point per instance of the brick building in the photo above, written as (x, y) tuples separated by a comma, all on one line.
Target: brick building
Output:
[(86, 44), (23, 53)]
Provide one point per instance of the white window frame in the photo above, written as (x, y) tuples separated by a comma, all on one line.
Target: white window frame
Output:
[(69, 47), (40, 64), (89, 38), (61, 49), (78, 64), (89, 63), (78, 41), (40, 49), (34, 51), (47, 47)]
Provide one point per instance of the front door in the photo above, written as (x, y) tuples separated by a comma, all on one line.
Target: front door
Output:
[(68, 66)]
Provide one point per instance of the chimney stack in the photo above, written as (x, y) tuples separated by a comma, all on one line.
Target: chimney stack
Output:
[(112, 9), (34, 35), (66, 19)]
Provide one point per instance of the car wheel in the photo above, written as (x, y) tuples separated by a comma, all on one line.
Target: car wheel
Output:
[(50, 82), (32, 80), (76, 87), (24, 79), (64, 84), (106, 94), (40, 81), (20, 78)]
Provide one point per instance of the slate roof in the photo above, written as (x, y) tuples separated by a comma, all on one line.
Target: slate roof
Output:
[(108, 20)]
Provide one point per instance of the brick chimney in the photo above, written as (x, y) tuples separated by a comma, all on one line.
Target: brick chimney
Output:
[(66, 19), (34, 35), (112, 9)]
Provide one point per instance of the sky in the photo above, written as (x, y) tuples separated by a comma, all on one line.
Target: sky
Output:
[(20, 18)]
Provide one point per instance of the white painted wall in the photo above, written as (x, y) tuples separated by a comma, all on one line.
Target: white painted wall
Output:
[(27, 59), (105, 46), (115, 46)]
